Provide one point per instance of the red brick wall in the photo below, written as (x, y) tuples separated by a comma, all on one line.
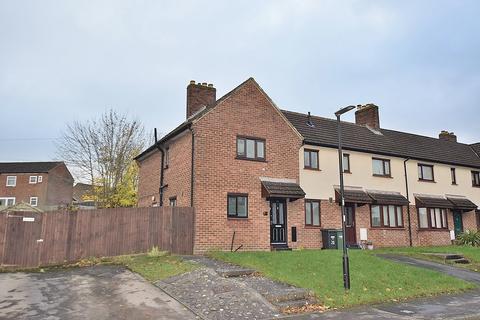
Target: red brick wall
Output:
[(59, 187), (177, 176), (246, 112), (149, 179), (24, 190)]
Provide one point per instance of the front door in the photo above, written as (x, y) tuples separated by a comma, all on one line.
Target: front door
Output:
[(278, 221), (457, 222), (350, 234)]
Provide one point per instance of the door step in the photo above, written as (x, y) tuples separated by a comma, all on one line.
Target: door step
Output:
[(280, 247), (450, 257)]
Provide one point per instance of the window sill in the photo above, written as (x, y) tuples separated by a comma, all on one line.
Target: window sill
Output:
[(348, 172), (474, 186), (454, 184), (313, 227), (387, 228), (382, 176), (424, 180), (433, 229), (312, 169), (248, 159), (237, 218)]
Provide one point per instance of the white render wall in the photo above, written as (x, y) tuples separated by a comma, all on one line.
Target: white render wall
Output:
[(320, 184)]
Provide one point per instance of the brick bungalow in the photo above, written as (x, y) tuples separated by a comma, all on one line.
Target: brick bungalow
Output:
[(266, 178)]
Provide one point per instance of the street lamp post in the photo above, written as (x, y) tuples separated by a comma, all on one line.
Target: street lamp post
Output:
[(345, 261)]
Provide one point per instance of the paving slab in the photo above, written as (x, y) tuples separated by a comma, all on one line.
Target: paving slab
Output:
[(100, 292)]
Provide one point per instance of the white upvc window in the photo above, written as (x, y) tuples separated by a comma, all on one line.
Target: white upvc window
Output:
[(7, 202), (40, 179), (11, 181), (33, 179), (34, 201)]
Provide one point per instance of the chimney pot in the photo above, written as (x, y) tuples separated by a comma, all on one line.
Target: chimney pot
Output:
[(447, 136), (192, 81), (367, 115)]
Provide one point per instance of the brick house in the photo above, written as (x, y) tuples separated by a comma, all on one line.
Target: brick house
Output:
[(262, 178), (46, 185)]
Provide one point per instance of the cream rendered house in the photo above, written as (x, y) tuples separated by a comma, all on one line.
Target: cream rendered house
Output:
[(441, 176)]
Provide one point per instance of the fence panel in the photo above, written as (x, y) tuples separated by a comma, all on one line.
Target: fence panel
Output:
[(56, 237)]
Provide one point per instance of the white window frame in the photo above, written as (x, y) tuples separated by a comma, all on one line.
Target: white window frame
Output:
[(40, 179), (14, 183), (8, 198), (35, 180), (36, 201)]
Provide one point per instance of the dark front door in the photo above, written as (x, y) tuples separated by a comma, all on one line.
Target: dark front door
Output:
[(278, 221), (350, 234), (457, 223)]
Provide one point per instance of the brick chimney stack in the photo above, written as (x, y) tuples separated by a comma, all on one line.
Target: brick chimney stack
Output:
[(199, 95), (367, 115), (447, 136)]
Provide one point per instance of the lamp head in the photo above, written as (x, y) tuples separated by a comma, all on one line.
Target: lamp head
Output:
[(344, 110)]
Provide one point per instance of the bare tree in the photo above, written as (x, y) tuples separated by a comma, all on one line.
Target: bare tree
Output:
[(102, 150)]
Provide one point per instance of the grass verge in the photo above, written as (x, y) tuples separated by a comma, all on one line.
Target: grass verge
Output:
[(471, 253), (373, 279), (150, 267)]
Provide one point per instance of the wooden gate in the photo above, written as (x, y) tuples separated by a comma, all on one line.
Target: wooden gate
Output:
[(22, 239)]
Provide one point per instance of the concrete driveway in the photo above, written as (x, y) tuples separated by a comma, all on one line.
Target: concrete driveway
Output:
[(100, 292)]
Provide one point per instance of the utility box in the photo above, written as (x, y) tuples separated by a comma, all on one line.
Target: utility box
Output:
[(332, 239)]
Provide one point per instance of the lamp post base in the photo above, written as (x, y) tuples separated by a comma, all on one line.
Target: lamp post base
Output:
[(346, 272)]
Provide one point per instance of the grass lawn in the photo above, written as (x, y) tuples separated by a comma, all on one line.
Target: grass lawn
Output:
[(153, 268), (372, 279), (471, 253)]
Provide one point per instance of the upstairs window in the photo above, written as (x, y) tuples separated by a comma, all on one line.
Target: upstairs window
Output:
[(425, 172), (310, 159), (476, 178), (7, 202), (346, 163), (453, 175), (40, 179), (11, 181), (381, 167), (237, 205), (32, 179), (250, 148), (432, 218)]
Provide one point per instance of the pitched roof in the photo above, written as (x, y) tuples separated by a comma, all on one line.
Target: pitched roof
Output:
[(476, 148), (28, 167), (389, 142)]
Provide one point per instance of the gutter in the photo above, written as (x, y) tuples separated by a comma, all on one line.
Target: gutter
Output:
[(408, 199)]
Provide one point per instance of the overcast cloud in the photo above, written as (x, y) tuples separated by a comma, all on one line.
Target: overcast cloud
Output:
[(65, 60)]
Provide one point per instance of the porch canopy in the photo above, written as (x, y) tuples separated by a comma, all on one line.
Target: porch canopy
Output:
[(353, 196), (462, 203), (275, 189), (393, 198), (427, 201)]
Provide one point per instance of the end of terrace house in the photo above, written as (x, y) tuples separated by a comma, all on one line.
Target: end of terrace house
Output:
[(270, 176)]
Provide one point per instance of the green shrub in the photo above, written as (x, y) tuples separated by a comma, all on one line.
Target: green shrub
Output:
[(469, 238), (155, 252)]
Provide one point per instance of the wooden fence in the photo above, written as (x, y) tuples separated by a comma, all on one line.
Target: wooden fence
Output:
[(29, 239)]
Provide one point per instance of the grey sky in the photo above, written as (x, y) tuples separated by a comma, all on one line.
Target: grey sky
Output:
[(65, 60)]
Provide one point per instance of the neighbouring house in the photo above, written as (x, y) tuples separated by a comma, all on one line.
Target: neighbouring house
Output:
[(264, 178), (46, 185), (83, 196)]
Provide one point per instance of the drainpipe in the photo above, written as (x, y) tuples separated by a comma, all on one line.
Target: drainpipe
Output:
[(408, 199), (160, 189), (191, 177)]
